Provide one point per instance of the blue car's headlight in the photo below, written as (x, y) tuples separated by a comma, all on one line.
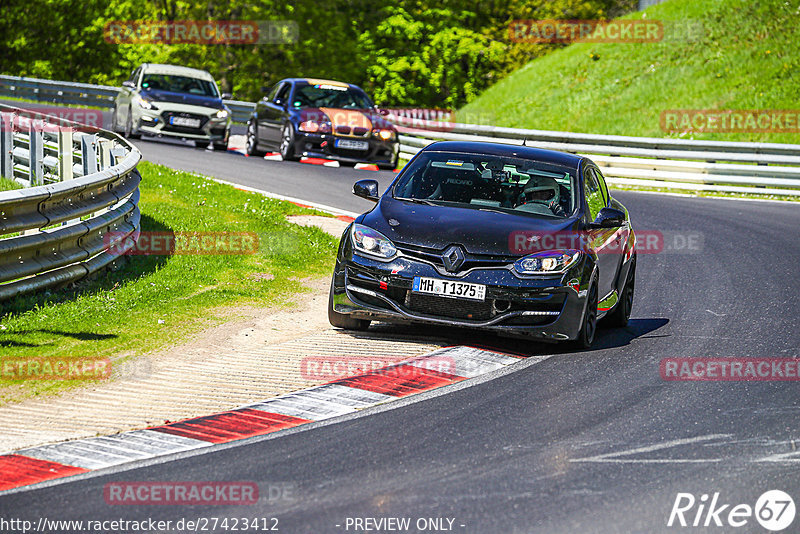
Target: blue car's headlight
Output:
[(371, 242), (547, 262)]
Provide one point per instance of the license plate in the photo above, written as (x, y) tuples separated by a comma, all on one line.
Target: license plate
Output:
[(449, 288), (352, 145), (183, 121)]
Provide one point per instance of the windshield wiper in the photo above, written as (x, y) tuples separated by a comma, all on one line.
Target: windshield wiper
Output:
[(417, 201)]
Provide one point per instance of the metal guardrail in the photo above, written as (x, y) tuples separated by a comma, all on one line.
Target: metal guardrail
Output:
[(80, 198), (767, 168), (84, 94), (738, 167)]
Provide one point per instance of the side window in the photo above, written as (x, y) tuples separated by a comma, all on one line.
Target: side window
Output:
[(602, 181), (273, 92), (283, 94), (135, 75), (594, 196)]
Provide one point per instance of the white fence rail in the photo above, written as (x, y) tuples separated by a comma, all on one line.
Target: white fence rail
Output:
[(737, 167), (79, 199)]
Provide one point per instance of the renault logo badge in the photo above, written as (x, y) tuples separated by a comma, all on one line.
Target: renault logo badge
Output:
[(453, 258)]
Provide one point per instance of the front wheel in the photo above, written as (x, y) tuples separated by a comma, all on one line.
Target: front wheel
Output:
[(340, 320), (251, 145), (201, 144), (287, 143), (589, 326), (223, 146), (619, 317)]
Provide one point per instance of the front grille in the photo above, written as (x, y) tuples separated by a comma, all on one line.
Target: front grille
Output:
[(445, 307), (471, 261)]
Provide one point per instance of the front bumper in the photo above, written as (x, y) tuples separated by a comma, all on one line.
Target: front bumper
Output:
[(157, 123), (324, 146), (545, 308)]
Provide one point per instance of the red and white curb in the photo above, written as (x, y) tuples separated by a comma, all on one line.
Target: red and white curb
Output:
[(337, 398)]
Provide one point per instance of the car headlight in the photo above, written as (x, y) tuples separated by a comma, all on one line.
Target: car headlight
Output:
[(371, 242), (384, 134), (145, 104), (312, 126), (221, 114), (547, 262)]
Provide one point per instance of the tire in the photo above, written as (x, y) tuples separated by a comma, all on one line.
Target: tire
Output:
[(129, 132), (589, 327), (387, 166), (251, 145), (347, 164), (340, 320), (287, 143), (114, 127), (201, 144), (622, 312), (221, 146)]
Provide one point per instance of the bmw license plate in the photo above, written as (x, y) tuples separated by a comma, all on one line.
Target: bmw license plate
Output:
[(351, 145), (183, 121), (449, 288)]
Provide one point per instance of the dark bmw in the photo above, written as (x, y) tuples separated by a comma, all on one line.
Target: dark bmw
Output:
[(504, 238), (304, 117)]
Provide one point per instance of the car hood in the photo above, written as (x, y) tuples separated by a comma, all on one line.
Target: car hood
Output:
[(346, 117), (478, 230), (156, 95)]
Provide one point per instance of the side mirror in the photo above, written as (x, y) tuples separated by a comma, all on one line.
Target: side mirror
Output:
[(383, 112), (609, 218), (226, 96), (129, 84), (367, 189)]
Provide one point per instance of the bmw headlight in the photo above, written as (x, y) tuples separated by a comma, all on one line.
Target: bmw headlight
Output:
[(384, 134), (221, 114), (547, 262), (371, 242)]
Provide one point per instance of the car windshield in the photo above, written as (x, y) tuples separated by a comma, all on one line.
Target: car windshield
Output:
[(179, 84), (515, 185), (330, 96)]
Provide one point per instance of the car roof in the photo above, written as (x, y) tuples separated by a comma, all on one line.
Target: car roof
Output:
[(504, 149), (157, 68), (321, 81)]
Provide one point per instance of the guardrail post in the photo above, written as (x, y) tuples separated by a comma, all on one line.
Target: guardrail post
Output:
[(65, 155), (105, 154), (36, 154), (89, 153), (6, 145)]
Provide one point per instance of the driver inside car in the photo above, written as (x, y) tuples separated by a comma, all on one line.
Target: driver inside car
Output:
[(542, 191)]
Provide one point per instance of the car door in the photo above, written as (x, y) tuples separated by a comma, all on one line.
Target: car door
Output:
[(275, 114), (604, 241), (125, 95)]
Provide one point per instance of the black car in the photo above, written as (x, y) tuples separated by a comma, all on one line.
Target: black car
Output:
[(304, 117), (504, 238)]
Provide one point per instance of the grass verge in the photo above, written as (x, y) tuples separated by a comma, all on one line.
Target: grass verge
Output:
[(157, 301), (720, 54)]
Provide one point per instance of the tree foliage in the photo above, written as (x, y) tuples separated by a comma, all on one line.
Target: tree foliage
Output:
[(406, 53)]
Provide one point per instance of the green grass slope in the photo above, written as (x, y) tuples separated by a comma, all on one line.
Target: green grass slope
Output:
[(745, 56)]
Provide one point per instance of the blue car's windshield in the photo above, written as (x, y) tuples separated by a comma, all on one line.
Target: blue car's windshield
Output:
[(330, 96), (510, 184)]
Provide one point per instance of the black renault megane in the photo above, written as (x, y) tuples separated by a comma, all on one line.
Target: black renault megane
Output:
[(505, 238)]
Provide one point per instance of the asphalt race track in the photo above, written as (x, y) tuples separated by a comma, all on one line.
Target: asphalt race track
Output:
[(592, 441)]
